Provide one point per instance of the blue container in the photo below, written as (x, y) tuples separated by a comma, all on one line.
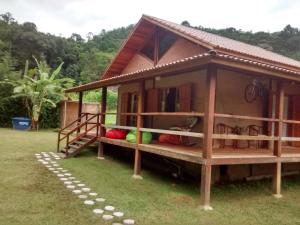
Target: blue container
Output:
[(21, 123)]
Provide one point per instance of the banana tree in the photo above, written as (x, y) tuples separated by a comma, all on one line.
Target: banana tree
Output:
[(40, 87)]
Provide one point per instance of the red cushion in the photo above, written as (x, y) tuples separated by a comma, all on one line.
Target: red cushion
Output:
[(116, 134), (169, 138)]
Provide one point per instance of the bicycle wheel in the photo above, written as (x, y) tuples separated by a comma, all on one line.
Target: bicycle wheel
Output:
[(250, 93)]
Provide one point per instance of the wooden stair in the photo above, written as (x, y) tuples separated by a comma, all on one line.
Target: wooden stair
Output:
[(77, 146), (77, 141)]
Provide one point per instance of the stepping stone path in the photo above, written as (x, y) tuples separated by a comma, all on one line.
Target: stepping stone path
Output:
[(89, 202), (98, 211), (49, 160), (109, 208), (107, 217)]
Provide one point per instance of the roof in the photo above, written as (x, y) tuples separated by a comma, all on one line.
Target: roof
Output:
[(191, 62), (224, 49), (220, 43)]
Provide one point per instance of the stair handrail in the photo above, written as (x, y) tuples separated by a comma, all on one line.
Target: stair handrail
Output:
[(70, 124), (85, 123), (80, 136)]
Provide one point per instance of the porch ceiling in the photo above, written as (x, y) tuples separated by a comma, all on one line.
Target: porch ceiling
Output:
[(191, 64)]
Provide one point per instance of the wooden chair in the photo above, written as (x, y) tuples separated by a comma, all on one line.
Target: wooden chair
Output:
[(222, 128), (254, 130)]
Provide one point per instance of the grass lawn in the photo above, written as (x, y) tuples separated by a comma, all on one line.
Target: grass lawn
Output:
[(30, 194)]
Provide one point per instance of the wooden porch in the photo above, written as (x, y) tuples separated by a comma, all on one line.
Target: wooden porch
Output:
[(205, 154), (226, 156)]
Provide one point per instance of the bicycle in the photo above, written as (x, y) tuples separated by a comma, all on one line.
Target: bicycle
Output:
[(254, 90)]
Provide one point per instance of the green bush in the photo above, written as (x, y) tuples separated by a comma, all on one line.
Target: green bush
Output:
[(95, 96)]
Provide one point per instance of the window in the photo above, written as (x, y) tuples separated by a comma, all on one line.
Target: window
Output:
[(166, 40), (169, 100), (128, 105), (148, 49), (172, 99)]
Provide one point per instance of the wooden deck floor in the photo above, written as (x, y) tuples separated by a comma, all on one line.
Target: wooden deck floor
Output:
[(220, 156)]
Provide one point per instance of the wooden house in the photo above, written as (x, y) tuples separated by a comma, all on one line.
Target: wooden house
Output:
[(231, 103)]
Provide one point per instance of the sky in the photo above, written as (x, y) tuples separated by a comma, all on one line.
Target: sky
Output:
[(64, 17)]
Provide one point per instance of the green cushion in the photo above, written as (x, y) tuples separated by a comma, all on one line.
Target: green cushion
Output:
[(146, 137)]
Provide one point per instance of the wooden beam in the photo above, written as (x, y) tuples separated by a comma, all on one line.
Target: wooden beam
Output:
[(205, 186), (156, 46), (209, 114), (278, 143), (79, 109), (279, 116), (277, 180), (139, 125), (209, 111), (245, 117), (244, 137), (102, 122)]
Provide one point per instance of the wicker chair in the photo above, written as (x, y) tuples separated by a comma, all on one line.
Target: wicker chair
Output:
[(222, 128), (255, 130)]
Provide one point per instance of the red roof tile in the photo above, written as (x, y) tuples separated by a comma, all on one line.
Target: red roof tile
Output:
[(139, 73), (222, 43)]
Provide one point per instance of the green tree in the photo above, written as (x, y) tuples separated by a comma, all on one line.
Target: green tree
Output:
[(40, 88), (92, 63)]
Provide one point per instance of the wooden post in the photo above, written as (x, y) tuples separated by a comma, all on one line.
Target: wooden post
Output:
[(156, 47), (140, 109), (79, 109), (278, 143), (102, 122), (65, 114), (208, 133)]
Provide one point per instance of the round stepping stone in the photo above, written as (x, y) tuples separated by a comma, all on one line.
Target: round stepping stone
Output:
[(48, 166), (107, 217), (70, 186), (68, 182), (77, 192), (37, 154), (60, 175), (76, 181), (63, 179), (128, 221), (82, 196), (41, 160), (109, 208), (98, 211), (86, 189), (64, 171), (51, 168), (56, 165), (80, 185), (117, 224), (55, 171), (72, 178), (68, 174), (45, 163), (47, 159), (93, 194), (100, 200), (118, 214), (89, 202), (38, 157), (60, 168)]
